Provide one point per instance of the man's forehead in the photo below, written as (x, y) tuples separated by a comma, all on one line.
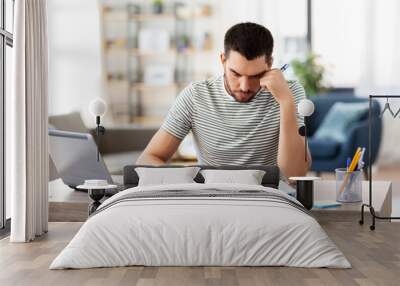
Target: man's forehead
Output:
[(248, 70), (239, 64), (251, 73)]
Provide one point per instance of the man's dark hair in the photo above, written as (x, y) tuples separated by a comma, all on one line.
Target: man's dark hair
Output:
[(250, 40)]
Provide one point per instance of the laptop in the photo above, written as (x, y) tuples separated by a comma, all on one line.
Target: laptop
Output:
[(75, 156)]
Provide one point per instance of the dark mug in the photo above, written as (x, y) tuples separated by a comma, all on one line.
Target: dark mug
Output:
[(305, 193)]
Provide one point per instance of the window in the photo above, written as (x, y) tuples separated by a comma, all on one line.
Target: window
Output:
[(337, 38), (6, 43)]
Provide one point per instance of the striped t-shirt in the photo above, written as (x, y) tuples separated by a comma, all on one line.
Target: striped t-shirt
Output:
[(225, 131)]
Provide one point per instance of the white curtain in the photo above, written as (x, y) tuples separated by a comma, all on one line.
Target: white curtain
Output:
[(26, 123)]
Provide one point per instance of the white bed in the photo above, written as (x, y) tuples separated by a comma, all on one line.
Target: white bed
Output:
[(224, 225)]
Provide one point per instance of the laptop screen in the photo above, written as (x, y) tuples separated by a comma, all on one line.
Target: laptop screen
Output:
[(75, 157)]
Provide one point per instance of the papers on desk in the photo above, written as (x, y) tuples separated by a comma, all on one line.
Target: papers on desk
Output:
[(326, 204), (322, 204)]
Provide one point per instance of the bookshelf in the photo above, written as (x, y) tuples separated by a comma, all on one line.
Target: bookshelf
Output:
[(149, 54)]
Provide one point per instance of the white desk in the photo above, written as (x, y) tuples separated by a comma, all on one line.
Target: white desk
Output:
[(381, 201)]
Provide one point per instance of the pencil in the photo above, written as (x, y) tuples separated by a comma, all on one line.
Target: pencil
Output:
[(351, 169)]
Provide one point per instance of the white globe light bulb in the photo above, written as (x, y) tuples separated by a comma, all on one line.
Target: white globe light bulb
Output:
[(98, 107), (305, 107)]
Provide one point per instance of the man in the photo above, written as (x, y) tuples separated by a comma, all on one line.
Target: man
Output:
[(248, 116)]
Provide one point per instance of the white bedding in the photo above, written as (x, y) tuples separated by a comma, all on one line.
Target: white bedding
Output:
[(183, 231)]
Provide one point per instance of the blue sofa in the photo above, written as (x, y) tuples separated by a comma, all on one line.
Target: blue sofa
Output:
[(327, 155)]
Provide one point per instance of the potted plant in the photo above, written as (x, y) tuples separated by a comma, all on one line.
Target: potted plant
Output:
[(310, 74), (158, 6)]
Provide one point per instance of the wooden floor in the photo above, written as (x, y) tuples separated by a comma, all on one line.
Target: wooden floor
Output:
[(375, 256)]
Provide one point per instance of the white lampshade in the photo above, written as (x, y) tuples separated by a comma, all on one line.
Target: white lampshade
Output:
[(305, 107), (98, 107)]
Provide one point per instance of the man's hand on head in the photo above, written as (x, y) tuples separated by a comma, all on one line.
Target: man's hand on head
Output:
[(274, 81)]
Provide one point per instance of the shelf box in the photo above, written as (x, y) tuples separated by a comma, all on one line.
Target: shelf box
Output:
[(154, 40), (158, 75)]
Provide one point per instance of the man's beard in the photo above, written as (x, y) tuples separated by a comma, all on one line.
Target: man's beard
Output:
[(231, 93)]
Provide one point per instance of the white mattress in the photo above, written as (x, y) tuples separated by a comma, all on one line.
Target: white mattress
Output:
[(188, 231)]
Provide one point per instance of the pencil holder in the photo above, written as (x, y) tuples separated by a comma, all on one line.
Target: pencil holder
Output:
[(348, 186)]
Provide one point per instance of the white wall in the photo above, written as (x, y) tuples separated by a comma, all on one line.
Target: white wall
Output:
[(75, 56)]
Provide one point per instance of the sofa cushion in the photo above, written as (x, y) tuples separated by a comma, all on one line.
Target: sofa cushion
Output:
[(68, 122), (336, 123), (323, 148)]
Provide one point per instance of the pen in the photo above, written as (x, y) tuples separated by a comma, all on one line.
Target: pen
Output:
[(348, 163), (361, 161), (284, 67)]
